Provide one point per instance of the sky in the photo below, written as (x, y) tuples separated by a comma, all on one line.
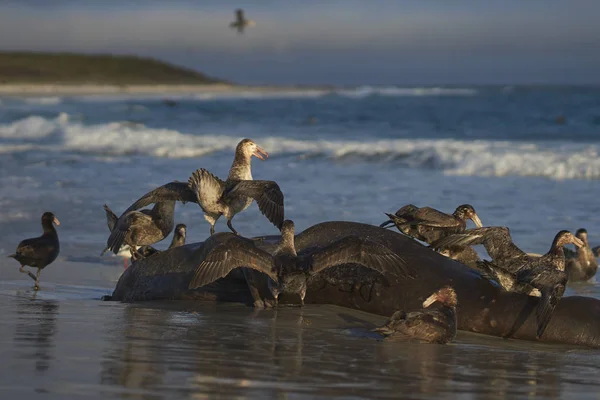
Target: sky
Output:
[(341, 42)]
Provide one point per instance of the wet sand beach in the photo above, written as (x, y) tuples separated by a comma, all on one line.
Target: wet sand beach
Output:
[(63, 342), (67, 344)]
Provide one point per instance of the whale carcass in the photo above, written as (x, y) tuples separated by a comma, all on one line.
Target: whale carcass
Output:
[(483, 306)]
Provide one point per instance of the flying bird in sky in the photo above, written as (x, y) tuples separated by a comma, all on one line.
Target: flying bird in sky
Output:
[(241, 22)]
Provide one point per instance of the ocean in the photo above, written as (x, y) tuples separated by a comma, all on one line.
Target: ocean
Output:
[(524, 157)]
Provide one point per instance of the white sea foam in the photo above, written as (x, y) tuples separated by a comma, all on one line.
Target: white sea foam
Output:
[(356, 93), (365, 91), (43, 100), (29, 128), (482, 157), (258, 95)]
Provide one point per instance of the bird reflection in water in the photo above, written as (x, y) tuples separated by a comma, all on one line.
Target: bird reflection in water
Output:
[(287, 329), (35, 329), (431, 370), (134, 360)]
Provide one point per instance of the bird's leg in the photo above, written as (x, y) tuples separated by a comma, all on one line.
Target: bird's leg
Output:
[(302, 295), (32, 276), (232, 228), (274, 289), (135, 254), (37, 279), (249, 274), (212, 230), (275, 293)]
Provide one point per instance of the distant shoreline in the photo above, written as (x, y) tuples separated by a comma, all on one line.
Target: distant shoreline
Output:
[(23, 89)]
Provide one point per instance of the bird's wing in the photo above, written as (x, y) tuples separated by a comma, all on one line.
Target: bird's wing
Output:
[(225, 257), (472, 237), (487, 270), (207, 189), (551, 284), (407, 211), (111, 218), (546, 306), (596, 251), (458, 240), (124, 223), (268, 196), (178, 191), (354, 250), (431, 217), (36, 248)]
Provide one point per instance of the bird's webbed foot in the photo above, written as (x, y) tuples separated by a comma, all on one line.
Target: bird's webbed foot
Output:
[(268, 303), (259, 304)]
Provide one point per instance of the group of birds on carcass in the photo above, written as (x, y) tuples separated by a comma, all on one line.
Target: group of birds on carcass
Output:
[(137, 229)]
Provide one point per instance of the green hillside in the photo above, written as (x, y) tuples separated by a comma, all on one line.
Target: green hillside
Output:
[(67, 68)]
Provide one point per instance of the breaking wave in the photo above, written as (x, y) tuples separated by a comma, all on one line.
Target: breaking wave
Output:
[(261, 94), (555, 160), (50, 100)]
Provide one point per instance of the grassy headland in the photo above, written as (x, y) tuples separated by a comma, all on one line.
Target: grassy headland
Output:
[(76, 69)]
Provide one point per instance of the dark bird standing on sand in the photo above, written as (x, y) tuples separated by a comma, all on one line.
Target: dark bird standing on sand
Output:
[(428, 225), (289, 272), (581, 265), (241, 22), (40, 251), (517, 271), (429, 325)]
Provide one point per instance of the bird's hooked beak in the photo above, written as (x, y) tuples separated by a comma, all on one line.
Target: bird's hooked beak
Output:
[(260, 153), (430, 300), (56, 221), (476, 221), (578, 242)]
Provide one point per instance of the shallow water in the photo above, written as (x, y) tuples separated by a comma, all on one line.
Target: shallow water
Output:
[(62, 342), (349, 155)]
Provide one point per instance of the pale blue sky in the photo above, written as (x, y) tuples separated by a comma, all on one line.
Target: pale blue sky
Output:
[(339, 42)]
